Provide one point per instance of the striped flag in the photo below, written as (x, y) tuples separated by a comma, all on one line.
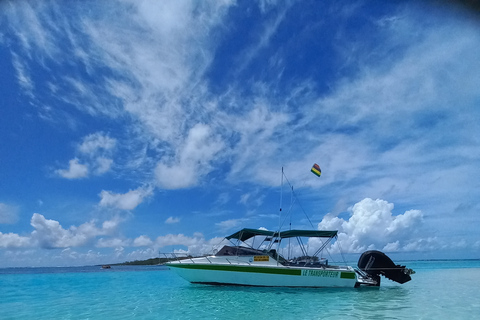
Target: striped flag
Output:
[(316, 170)]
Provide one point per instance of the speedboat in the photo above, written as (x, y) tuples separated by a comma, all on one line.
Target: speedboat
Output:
[(246, 264)]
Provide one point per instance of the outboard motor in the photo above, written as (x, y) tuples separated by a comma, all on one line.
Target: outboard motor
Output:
[(375, 263)]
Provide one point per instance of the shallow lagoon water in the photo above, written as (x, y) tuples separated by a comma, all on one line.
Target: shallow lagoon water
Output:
[(439, 290)]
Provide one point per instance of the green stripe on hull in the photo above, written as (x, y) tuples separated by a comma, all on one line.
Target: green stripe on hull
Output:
[(347, 275), (291, 272), (268, 270)]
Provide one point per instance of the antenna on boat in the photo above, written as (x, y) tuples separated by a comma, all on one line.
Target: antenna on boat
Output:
[(281, 203), (281, 194), (291, 204)]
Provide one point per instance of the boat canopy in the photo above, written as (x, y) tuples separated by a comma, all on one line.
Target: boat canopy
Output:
[(308, 233), (246, 234)]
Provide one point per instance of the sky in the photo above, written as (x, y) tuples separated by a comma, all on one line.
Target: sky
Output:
[(130, 128)]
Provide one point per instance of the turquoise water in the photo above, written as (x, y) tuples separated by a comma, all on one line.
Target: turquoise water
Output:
[(439, 290)]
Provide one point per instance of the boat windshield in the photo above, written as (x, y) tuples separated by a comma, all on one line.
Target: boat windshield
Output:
[(238, 251)]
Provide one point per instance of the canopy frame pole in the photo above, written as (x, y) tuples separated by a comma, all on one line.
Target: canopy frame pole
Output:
[(323, 246), (302, 246)]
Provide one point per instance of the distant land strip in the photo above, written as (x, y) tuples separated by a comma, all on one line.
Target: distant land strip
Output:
[(148, 262)]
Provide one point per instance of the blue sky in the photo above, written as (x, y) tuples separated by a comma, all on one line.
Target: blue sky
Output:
[(133, 127)]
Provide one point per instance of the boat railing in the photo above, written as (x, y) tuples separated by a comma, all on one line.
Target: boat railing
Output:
[(186, 258), (177, 256)]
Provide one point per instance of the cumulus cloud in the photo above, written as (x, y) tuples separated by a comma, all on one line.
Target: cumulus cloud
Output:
[(372, 225), (125, 201), (13, 240), (95, 153), (96, 143), (50, 234), (75, 170), (97, 148), (177, 239), (171, 220), (142, 241)]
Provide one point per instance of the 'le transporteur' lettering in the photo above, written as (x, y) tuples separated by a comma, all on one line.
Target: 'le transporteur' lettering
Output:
[(320, 273)]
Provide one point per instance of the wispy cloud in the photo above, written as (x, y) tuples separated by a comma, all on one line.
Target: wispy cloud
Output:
[(230, 224), (97, 142), (172, 220), (95, 152), (8, 213), (192, 161), (125, 201), (263, 39), (396, 119), (23, 76), (75, 170)]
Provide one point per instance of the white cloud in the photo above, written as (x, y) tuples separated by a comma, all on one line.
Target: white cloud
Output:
[(259, 131), (125, 201), (141, 254), (193, 160), (171, 220), (76, 170), (50, 234), (244, 198), (23, 76), (196, 245), (372, 225), (254, 198), (103, 165), (96, 143), (392, 246), (207, 247), (13, 240), (112, 243), (95, 152), (229, 224), (176, 239), (175, 176), (265, 36), (156, 78), (109, 226), (8, 213), (142, 241)]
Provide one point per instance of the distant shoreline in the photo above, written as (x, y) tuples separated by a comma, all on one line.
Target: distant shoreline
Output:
[(148, 262)]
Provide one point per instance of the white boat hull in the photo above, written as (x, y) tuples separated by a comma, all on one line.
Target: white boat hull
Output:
[(264, 275)]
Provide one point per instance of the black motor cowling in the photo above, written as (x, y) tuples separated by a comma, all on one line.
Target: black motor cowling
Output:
[(376, 263)]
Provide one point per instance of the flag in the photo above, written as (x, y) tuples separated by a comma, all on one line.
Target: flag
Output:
[(316, 170)]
